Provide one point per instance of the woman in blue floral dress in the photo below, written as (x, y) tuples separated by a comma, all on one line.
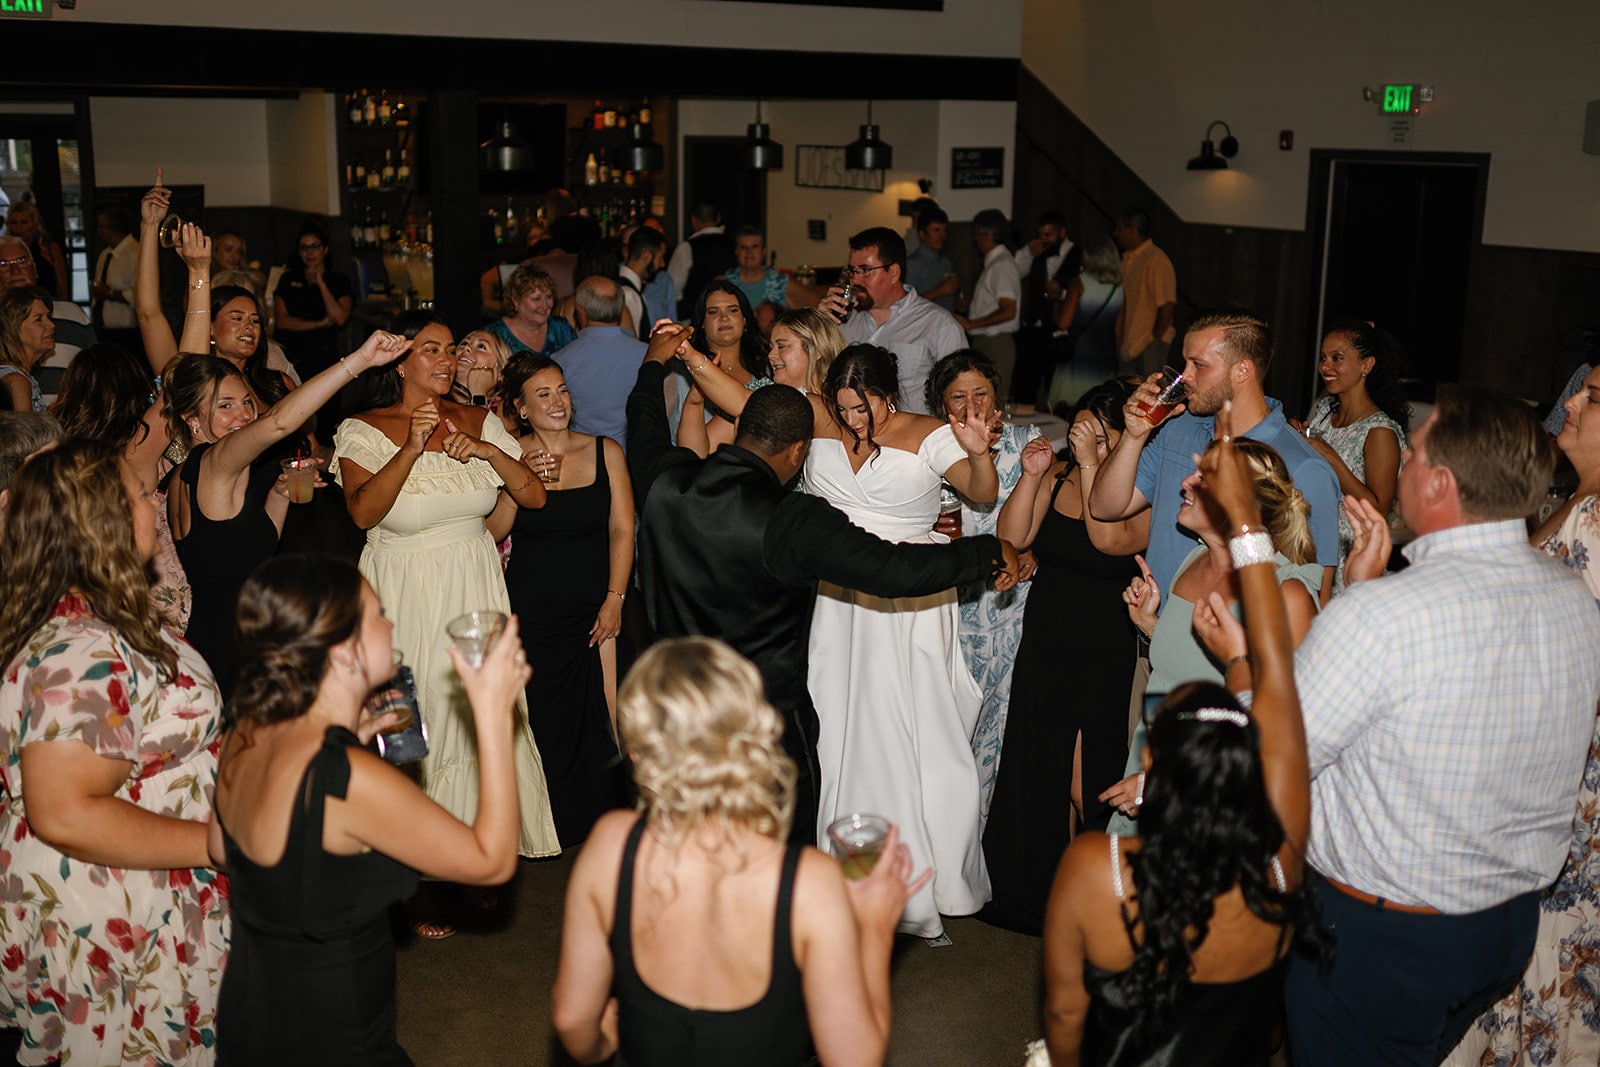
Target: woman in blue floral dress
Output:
[(1552, 1018), (113, 930), (966, 383)]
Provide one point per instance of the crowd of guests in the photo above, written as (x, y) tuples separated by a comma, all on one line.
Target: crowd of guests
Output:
[(1162, 698)]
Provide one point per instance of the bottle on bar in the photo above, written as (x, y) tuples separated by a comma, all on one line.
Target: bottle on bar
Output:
[(369, 229), (383, 227), (388, 166), (403, 175), (369, 109), (591, 171), (385, 112), (361, 174), (603, 175), (645, 114), (597, 118), (352, 102)]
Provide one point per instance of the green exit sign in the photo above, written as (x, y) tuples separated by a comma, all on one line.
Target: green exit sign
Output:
[(26, 9), (1396, 98)]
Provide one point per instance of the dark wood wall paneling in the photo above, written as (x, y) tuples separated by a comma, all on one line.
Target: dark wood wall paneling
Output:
[(1525, 304)]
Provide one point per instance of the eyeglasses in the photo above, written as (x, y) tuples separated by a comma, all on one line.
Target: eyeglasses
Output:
[(20, 263), (319, 246), (862, 271)]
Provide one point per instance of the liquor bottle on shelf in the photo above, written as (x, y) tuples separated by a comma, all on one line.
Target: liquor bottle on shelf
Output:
[(385, 112), (403, 175), (374, 176), (369, 229), (352, 103), (388, 166), (383, 227), (349, 175), (361, 174), (591, 171), (355, 235), (369, 109), (628, 177), (603, 175), (645, 114), (499, 227), (610, 118), (597, 118)]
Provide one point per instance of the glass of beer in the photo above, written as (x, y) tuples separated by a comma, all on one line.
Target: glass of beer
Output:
[(475, 633), (1173, 391), (858, 842)]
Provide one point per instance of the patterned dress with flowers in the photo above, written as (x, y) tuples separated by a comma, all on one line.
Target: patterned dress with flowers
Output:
[(103, 965), (1552, 1018)]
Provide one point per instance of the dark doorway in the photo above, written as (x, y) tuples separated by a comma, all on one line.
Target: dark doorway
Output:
[(1397, 233), (712, 171), (40, 161)]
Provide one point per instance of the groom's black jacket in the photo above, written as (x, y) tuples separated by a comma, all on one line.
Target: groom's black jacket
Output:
[(728, 552)]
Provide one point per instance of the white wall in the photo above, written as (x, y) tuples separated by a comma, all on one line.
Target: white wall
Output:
[(302, 138), (220, 143), (1512, 80), (964, 27), (922, 133)]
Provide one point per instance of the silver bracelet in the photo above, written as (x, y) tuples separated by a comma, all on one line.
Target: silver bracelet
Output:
[(1249, 549)]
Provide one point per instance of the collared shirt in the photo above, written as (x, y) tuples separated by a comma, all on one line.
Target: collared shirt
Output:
[(999, 281), (600, 366), (1169, 459), (1150, 284), (682, 261), (118, 267), (919, 333), (1448, 712), (927, 269), (632, 287)]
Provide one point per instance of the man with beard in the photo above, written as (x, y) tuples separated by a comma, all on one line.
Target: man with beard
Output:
[(1225, 357), (644, 257)]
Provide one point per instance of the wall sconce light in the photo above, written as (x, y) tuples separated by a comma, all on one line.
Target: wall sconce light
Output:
[(760, 151), (867, 152), (1215, 157)]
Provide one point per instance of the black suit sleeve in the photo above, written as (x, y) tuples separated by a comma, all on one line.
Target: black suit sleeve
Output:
[(810, 539), (650, 448)]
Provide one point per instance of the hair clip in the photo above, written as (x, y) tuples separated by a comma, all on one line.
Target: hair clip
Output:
[(1229, 715)]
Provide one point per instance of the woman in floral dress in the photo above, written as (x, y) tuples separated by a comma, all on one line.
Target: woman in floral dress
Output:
[(1552, 1018), (965, 383), (113, 929)]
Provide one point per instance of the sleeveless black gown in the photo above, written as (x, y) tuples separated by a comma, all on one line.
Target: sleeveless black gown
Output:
[(311, 971), (1073, 673), (560, 562)]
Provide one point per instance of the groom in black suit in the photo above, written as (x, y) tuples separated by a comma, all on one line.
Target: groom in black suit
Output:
[(727, 551)]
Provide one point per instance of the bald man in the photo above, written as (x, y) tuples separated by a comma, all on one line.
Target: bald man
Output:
[(602, 363)]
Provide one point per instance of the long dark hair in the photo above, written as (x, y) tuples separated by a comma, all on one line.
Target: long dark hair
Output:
[(1206, 826), (105, 392), (514, 378), (752, 349), (1105, 403), (292, 610), (265, 382), (869, 370), (1388, 361), (383, 385)]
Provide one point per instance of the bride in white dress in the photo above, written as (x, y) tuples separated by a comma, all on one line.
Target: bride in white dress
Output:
[(896, 702)]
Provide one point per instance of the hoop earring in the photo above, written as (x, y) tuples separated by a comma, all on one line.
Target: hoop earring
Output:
[(891, 407)]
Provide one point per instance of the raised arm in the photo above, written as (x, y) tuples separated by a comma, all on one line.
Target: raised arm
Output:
[(974, 477), (1115, 494), (233, 455), (1268, 650), (649, 433), (154, 330), (1024, 510)]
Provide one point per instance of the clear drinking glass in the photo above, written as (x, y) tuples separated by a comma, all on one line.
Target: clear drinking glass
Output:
[(475, 633), (858, 842), (171, 229)]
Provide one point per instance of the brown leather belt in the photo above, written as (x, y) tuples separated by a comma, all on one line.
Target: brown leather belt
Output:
[(1379, 902)]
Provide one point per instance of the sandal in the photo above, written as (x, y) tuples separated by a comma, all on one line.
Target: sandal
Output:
[(431, 929)]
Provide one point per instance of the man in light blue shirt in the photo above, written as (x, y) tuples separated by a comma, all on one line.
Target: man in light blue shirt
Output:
[(601, 364), (1226, 356)]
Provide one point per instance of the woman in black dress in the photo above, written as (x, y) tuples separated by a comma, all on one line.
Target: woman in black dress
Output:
[(311, 304), (1067, 728), (567, 577), (312, 969)]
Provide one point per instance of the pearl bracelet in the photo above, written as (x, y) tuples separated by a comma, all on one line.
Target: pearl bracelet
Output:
[(1248, 549)]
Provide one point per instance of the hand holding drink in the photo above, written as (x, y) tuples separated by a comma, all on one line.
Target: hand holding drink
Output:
[(300, 478), (858, 840), (1172, 393)]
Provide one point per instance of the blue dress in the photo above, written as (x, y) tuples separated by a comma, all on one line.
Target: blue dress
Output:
[(558, 334)]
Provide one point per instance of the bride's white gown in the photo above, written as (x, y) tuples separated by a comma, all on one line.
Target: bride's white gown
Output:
[(896, 702)]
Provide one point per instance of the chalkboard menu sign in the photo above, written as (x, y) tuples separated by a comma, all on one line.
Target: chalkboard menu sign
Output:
[(977, 168)]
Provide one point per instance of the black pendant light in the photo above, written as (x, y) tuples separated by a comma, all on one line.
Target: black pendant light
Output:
[(640, 152), (760, 151), (867, 152), (507, 151)]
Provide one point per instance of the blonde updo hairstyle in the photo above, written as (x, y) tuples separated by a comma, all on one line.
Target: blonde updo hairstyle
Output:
[(1283, 507), (704, 743)]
